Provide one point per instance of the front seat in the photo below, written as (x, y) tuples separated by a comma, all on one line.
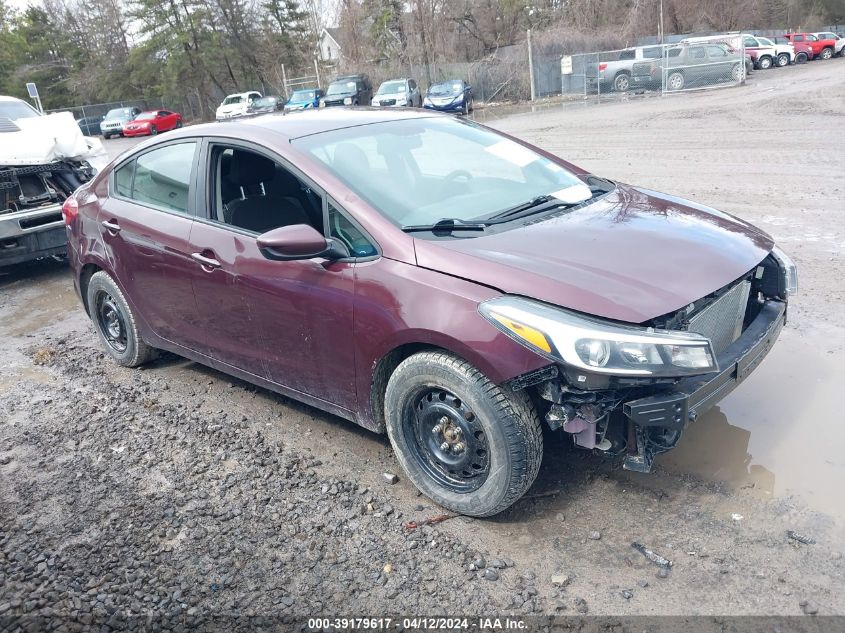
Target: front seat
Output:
[(255, 210)]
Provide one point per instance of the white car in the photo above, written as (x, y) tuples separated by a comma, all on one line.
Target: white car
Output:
[(43, 159), (839, 46), (236, 105), (398, 92), (783, 55)]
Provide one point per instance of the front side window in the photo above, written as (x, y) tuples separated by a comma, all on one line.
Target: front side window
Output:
[(161, 177), (419, 171), (257, 194), (697, 53), (717, 51)]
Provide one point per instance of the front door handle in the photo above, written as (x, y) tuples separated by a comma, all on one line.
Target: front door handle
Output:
[(208, 262), (112, 226)]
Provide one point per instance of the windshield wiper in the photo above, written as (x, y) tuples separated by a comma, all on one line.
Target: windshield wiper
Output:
[(446, 225), (535, 205)]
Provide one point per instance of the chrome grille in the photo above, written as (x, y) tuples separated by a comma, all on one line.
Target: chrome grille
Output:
[(721, 321)]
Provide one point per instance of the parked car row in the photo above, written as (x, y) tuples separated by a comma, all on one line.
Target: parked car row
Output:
[(454, 95), (706, 60), (130, 122)]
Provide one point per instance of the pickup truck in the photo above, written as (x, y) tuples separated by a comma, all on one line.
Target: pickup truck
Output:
[(785, 52), (613, 70), (763, 56), (838, 41), (820, 48), (691, 65), (43, 159)]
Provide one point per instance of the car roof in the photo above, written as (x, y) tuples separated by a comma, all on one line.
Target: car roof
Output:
[(309, 122), (5, 98)]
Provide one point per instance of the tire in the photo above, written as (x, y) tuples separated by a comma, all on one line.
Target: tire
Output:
[(465, 108), (622, 82), (675, 81), (826, 53), (178, 124), (497, 451), (115, 323), (736, 73), (764, 63), (782, 60), (106, 137), (802, 58), (153, 130)]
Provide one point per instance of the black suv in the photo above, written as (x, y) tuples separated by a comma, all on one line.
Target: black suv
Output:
[(349, 90)]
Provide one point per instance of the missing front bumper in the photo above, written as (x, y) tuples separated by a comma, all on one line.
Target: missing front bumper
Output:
[(668, 413)]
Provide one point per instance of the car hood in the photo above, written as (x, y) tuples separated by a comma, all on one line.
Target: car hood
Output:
[(339, 95), (45, 139), (631, 256), (232, 107)]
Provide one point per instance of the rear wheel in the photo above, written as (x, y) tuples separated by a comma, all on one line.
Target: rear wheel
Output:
[(736, 72), (622, 82), (153, 130), (764, 63), (115, 323), (827, 53), (471, 446), (783, 60), (178, 124)]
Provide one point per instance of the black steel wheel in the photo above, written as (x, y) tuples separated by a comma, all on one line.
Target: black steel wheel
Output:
[(470, 445), (446, 439), (115, 323), (110, 321)]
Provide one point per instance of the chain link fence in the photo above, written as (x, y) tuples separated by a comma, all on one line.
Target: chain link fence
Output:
[(692, 64)]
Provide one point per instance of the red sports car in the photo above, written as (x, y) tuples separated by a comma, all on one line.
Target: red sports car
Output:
[(152, 122)]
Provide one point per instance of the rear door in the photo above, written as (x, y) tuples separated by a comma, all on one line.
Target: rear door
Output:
[(144, 227)]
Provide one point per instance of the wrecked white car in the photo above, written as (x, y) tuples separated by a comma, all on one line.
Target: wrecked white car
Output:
[(43, 159)]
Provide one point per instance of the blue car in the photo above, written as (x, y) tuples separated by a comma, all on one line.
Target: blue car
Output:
[(454, 95), (303, 99)]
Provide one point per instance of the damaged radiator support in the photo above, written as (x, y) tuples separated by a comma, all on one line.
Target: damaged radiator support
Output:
[(34, 186), (584, 414)]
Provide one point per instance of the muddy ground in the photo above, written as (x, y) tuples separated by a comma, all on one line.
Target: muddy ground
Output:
[(177, 491)]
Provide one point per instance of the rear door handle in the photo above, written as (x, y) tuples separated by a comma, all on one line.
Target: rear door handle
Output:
[(113, 227), (208, 262)]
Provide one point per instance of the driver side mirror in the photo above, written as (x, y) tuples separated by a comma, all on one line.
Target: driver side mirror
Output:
[(298, 241)]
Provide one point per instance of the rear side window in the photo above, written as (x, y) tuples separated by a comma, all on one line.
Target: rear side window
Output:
[(651, 53), (160, 178), (626, 55)]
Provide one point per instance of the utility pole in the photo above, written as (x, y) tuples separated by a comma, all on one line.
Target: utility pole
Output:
[(531, 67)]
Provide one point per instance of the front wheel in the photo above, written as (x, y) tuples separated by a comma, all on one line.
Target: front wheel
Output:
[(802, 58), (827, 53), (153, 130), (783, 60), (115, 323), (469, 445)]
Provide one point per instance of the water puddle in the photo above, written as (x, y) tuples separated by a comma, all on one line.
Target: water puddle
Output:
[(779, 431)]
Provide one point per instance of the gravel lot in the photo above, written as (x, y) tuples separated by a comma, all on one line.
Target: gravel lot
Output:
[(179, 493)]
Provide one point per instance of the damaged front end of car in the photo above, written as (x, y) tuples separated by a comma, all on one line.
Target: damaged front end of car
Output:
[(43, 160), (625, 390)]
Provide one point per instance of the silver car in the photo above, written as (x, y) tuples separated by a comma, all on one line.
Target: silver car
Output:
[(112, 125), (398, 92)]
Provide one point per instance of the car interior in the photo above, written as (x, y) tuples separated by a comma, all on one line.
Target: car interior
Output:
[(257, 194)]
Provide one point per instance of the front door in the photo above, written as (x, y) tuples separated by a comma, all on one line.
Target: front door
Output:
[(289, 322)]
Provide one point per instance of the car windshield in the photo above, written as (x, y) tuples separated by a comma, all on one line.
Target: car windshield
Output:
[(420, 171), (446, 88), (265, 102), (341, 88), (119, 113), (233, 99), (303, 95), (391, 87), (16, 110), (145, 116)]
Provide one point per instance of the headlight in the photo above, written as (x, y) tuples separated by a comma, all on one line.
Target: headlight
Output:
[(599, 346), (789, 271), (427, 101), (347, 101)]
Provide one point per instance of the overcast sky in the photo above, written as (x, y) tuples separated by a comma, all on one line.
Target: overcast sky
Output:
[(18, 4)]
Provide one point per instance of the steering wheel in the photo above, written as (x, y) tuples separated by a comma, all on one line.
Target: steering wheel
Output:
[(454, 175)]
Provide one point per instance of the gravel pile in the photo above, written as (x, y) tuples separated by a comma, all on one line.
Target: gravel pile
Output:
[(116, 505)]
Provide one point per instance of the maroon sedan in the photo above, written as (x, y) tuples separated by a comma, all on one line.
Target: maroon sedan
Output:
[(431, 278)]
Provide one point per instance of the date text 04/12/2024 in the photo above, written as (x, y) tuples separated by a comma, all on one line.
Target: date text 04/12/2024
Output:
[(416, 623)]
